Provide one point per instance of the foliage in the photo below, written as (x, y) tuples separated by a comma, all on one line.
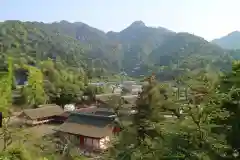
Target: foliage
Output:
[(59, 59), (34, 92), (6, 79), (196, 134), (143, 137), (138, 49), (230, 103)]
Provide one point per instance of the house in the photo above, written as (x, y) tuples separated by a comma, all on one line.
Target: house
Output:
[(64, 116), (43, 114), (136, 89), (89, 131), (117, 89), (103, 99), (131, 87), (130, 99), (101, 111)]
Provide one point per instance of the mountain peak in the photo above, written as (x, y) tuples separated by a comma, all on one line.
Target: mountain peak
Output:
[(138, 24), (233, 33), (230, 41)]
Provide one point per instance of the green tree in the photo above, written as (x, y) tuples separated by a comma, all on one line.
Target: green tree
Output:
[(143, 138), (195, 136), (34, 92), (230, 84)]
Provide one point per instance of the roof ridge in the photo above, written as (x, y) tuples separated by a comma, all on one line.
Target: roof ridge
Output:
[(48, 105), (90, 115)]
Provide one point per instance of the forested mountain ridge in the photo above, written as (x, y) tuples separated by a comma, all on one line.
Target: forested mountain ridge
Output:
[(138, 49), (184, 45), (230, 41), (63, 61)]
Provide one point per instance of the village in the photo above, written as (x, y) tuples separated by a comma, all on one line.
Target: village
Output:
[(90, 123)]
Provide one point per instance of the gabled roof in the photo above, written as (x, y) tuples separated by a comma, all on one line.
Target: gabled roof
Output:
[(85, 130), (88, 124), (102, 111), (90, 119), (44, 111)]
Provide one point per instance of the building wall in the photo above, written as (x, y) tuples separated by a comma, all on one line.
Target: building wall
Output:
[(35, 122), (27, 120), (99, 144), (103, 142)]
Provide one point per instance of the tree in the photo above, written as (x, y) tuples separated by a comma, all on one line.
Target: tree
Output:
[(5, 102), (143, 138), (34, 92), (230, 84), (196, 137)]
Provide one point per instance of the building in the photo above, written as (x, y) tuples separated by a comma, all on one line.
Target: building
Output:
[(117, 89), (43, 114), (103, 99), (89, 131), (136, 89), (131, 87), (64, 116), (130, 99)]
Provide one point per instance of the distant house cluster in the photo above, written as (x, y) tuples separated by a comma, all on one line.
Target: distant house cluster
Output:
[(130, 86)]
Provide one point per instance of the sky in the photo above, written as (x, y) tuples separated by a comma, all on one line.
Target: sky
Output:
[(209, 19)]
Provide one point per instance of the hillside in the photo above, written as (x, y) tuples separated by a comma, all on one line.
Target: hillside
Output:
[(138, 49), (230, 41), (138, 41)]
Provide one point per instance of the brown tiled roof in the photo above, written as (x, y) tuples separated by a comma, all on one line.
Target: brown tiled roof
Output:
[(44, 111), (85, 130)]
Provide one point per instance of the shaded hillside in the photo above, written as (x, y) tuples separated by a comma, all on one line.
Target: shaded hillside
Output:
[(30, 41), (99, 48), (230, 41), (38, 41), (183, 48), (138, 42), (185, 52)]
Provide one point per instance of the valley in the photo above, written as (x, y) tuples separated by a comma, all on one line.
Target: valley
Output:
[(130, 93)]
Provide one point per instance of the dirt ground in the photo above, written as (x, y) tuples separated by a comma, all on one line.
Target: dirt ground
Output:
[(41, 130)]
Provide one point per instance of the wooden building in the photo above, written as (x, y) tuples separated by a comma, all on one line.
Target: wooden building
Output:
[(43, 114), (90, 131)]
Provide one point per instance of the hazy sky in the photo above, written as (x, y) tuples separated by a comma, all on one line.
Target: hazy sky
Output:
[(207, 18)]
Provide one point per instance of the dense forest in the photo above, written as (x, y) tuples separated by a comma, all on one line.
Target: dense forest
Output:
[(54, 63), (138, 50)]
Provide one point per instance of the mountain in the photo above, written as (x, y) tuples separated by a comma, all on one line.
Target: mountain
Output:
[(185, 52), (137, 49), (230, 41), (138, 41)]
